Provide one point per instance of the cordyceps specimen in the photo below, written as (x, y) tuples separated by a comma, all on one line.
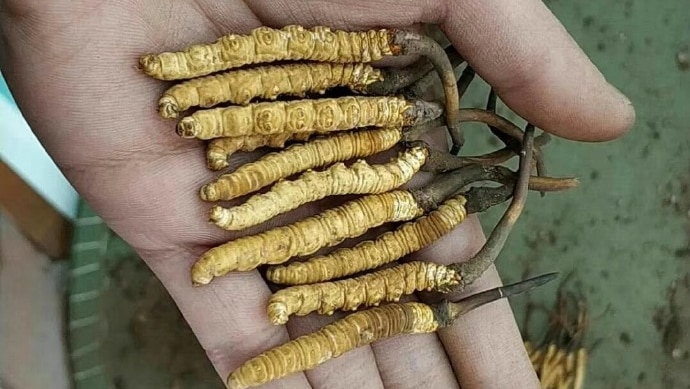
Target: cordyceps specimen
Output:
[(297, 158), (338, 179), (243, 86), (560, 358), (307, 115), (314, 94), (325, 150), (265, 45), (332, 226), (390, 284), (363, 328)]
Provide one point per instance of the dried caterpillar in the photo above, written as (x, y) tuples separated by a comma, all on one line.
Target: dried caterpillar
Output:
[(363, 328), (356, 330), (321, 151), (338, 179), (318, 115), (391, 284), (220, 149), (368, 290), (306, 236), (390, 246), (265, 44), (265, 82)]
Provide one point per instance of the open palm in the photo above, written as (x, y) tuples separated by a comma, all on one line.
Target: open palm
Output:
[(71, 65)]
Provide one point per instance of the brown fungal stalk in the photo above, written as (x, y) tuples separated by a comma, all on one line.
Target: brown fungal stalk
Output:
[(340, 179)]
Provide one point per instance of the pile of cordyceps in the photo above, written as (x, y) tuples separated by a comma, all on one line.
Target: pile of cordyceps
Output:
[(560, 357), (313, 94)]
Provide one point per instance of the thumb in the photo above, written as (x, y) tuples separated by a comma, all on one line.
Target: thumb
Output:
[(537, 69)]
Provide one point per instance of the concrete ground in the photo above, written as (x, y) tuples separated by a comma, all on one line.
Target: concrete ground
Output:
[(31, 314)]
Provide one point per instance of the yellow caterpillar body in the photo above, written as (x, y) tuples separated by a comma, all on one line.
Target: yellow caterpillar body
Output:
[(355, 330), (312, 115), (297, 158), (219, 150), (388, 247), (338, 179), (265, 82), (265, 44), (369, 290), (306, 236), (557, 367)]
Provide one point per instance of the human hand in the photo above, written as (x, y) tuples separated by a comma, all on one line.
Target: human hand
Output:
[(72, 68)]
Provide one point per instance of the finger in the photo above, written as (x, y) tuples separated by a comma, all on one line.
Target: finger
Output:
[(345, 14), (230, 325), (524, 52), (484, 346)]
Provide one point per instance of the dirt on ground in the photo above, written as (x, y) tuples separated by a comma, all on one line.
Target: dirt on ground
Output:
[(149, 342)]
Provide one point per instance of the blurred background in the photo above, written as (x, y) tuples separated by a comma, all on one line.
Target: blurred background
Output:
[(78, 303)]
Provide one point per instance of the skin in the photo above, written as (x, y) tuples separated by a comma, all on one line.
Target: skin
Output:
[(71, 65)]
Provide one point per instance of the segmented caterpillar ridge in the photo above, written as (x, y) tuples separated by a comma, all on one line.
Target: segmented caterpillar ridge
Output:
[(297, 158), (265, 44), (333, 340), (306, 236), (388, 247), (219, 150), (338, 179), (265, 82), (312, 115), (369, 290)]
